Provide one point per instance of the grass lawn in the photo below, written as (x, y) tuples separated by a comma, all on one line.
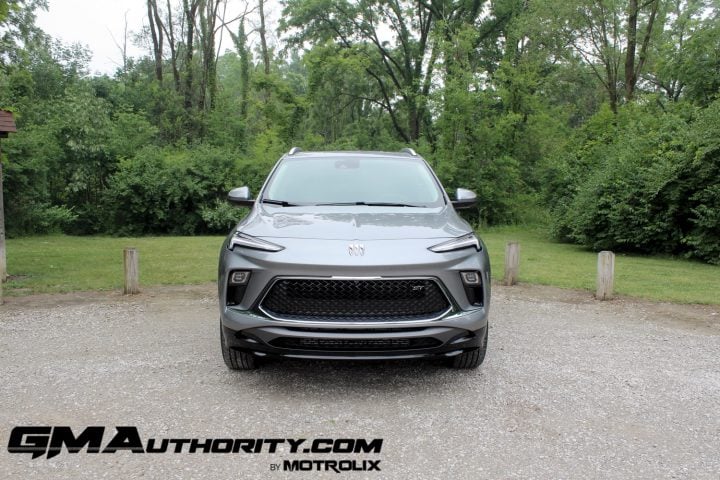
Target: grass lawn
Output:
[(59, 263), (570, 266)]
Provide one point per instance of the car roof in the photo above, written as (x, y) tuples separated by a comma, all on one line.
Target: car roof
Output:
[(352, 153)]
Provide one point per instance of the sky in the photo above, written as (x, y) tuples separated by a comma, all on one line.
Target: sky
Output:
[(95, 23)]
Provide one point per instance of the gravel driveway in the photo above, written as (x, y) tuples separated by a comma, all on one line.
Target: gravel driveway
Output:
[(571, 388)]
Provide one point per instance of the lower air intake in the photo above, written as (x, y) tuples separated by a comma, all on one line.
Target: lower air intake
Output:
[(365, 344), (355, 300)]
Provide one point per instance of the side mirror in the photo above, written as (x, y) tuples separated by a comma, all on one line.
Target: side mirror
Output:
[(464, 199), (241, 196)]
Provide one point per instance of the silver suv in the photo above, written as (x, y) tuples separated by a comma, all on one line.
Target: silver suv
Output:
[(353, 255)]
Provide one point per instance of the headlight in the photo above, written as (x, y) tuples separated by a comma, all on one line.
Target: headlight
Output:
[(466, 241), (246, 241)]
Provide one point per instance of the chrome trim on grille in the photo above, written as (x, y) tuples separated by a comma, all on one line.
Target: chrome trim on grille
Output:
[(440, 285), (337, 277)]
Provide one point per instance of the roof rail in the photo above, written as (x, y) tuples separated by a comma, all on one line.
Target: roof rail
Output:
[(410, 151), (294, 150)]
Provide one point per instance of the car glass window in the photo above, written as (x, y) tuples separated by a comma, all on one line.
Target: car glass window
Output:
[(354, 179)]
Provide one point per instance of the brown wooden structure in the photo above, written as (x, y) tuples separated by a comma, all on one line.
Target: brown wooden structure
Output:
[(7, 126), (7, 123)]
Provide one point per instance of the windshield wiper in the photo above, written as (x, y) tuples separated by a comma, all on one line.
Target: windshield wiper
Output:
[(282, 203), (371, 204), (390, 204)]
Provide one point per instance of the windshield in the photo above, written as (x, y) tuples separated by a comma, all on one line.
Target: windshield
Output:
[(354, 180)]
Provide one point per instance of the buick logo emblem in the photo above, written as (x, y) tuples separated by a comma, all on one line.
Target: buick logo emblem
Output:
[(356, 249)]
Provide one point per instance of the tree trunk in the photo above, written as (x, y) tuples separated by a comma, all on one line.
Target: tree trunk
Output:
[(241, 46), (204, 40), (646, 41), (190, 13), (157, 37), (632, 69), (263, 39), (208, 17), (170, 32), (630, 77), (613, 96), (414, 118)]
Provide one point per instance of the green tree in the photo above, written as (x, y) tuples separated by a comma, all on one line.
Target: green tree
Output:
[(402, 75), (613, 38), (685, 60)]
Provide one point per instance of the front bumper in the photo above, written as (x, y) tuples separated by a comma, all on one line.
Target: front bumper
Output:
[(248, 328), (340, 345), (445, 337)]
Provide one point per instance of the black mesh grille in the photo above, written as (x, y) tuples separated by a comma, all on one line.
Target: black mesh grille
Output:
[(362, 344), (362, 300)]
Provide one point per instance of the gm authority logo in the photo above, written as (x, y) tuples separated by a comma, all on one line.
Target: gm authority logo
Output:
[(50, 441)]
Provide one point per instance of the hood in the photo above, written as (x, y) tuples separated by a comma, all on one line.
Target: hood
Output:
[(353, 223)]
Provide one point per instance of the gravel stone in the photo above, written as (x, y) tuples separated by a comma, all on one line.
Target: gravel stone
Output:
[(570, 388)]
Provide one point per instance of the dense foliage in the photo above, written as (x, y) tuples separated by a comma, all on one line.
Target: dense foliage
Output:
[(646, 181), (601, 116)]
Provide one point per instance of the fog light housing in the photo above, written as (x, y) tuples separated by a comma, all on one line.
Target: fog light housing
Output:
[(237, 284), (471, 278), (472, 282), (239, 277)]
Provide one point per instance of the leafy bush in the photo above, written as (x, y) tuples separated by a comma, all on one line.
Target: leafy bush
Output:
[(655, 187), (170, 191), (41, 218), (702, 176), (220, 216), (30, 160)]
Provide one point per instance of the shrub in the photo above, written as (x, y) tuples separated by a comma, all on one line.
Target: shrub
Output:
[(169, 191), (655, 186)]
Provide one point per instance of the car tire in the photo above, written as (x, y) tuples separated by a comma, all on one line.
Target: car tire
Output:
[(471, 358), (235, 359)]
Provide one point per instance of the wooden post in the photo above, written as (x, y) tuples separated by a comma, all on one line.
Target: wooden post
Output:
[(3, 261), (605, 275), (512, 263), (132, 271), (7, 126)]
